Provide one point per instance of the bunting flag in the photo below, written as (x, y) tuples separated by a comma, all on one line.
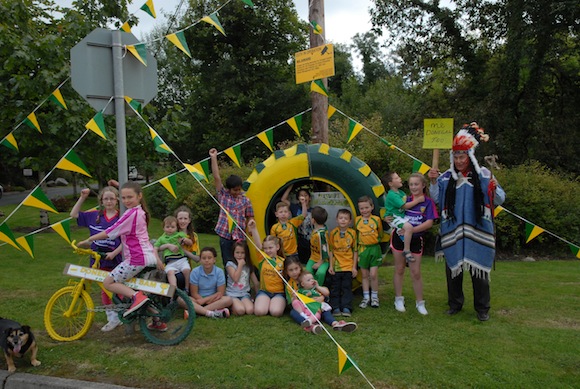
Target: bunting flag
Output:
[(139, 51), (10, 142), (231, 223), (331, 111), (126, 27), (234, 153), (344, 361), (316, 28), (7, 236), (295, 123), (73, 163), (318, 87), (160, 145), (197, 171), (391, 146), (575, 250), (497, 210), (420, 167), (97, 125), (63, 229), (532, 231), (57, 98), (312, 305), (203, 167), (353, 129), (249, 2), (149, 8), (38, 199), (133, 104), (267, 138), (32, 122), (213, 20), (170, 183), (178, 39), (27, 243)]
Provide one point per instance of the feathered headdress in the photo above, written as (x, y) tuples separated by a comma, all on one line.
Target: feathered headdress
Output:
[(466, 141)]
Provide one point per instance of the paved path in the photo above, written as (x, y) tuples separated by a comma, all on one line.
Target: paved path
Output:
[(33, 381)]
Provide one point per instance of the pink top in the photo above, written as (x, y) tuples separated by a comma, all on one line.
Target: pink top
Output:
[(132, 228)]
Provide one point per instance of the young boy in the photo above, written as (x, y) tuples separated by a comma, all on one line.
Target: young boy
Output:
[(319, 251), (369, 231), (396, 204), (236, 203), (287, 229), (342, 264), (174, 256)]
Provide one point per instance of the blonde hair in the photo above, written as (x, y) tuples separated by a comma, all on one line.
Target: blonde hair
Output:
[(102, 192), (423, 180), (278, 241)]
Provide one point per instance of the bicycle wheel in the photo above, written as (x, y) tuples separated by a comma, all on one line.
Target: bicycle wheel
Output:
[(68, 327), (170, 313)]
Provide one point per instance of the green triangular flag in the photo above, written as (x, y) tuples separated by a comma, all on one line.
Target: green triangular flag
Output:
[(575, 250), (420, 167), (133, 104), (32, 122), (213, 20), (249, 2), (38, 199), (27, 243), (97, 125), (160, 145), (57, 98), (344, 361), (170, 183), (295, 123), (149, 8), (235, 154), (139, 52), (267, 138), (353, 129), (7, 236), (318, 87), (10, 142), (316, 28), (532, 231), (63, 229), (178, 39), (73, 163)]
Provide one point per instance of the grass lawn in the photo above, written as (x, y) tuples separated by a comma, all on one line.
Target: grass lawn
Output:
[(531, 341)]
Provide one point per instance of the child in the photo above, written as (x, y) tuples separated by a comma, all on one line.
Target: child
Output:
[(97, 221), (236, 203), (319, 252), (369, 232), (240, 273), (270, 297), (185, 224), (305, 229), (343, 264), (207, 286), (286, 228), (396, 204), (137, 250), (174, 257)]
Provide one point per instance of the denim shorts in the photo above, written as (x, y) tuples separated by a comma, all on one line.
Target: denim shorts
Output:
[(270, 295)]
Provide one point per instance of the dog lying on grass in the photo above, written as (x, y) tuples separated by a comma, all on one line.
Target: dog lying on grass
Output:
[(16, 340)]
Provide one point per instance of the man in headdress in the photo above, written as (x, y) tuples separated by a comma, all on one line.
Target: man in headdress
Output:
[(466, 195)]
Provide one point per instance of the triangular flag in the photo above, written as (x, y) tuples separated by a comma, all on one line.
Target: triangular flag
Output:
[(249, 2), (63, 229), (196, 171), (97, 125), (330, 112), (318, 87), (133, 104), (10, 142), (420, 167), (73, 163), (391, 146), (575, 250), (231, 223), (32, 122), (170, 183), (295, 123), (532, 231), (235, 154), (316, 28), (149, 8), (497, 210), (311, 304), (56, 97), (344, 361), (139, 52), (27, 243), (38, 199), (353, 129), (160, 145), (126, 27), (213, 20), (204, 168), (178, 39), (7, 236), (267, 138)]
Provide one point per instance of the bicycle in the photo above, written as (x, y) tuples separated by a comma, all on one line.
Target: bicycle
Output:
[(70, 311)]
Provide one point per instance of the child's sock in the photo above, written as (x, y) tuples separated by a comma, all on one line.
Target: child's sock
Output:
[(210, 313), (366, 294), (374, 294)]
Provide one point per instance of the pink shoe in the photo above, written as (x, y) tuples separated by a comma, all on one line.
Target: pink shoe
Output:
[(139, 299), (157, 326), (344, 326)]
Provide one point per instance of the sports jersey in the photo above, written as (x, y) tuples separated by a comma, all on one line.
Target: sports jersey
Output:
[(394, 203), (287, 232), (194, 247), (270, 274), (369, 231), (319, 245), (343, 246)]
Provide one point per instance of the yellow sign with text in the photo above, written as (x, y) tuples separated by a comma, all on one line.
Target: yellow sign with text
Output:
[(314, 64), (438, 133)]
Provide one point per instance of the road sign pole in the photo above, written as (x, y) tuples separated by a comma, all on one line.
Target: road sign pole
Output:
[(119, 98)]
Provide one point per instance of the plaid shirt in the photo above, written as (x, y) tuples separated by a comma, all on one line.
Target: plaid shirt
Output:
[(240, 208)]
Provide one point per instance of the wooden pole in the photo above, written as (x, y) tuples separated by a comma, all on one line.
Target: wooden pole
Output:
[(435, 164), (319, 102)]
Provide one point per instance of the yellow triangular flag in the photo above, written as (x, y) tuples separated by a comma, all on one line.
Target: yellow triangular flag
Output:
[(331, 111), (57, 97), (26, 243), (234, 153), (33, 122), (169, 185), (533, 231), (139, 52), (343, 360), (354, 129), (497, 210), (63, 229), (196, 170), (126, 27)]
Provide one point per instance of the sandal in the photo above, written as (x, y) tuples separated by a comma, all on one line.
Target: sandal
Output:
[(408, 256)]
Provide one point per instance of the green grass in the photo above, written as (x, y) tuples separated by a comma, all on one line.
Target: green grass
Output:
[(531, 341)]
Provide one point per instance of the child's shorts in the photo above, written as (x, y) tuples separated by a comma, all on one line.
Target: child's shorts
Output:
[(178, 265), (398, 221), (125, 271), (370, 256), (416, 243)]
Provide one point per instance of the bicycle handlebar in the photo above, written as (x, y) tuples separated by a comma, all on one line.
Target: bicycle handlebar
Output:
[(81, 251)]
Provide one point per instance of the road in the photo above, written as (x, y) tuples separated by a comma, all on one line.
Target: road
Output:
[(11, 198)]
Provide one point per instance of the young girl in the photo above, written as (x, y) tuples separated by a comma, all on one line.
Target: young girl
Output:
[(240, 272), (97, 221), (137, 249), (207, 286), (421, 217), (270, 297), (185, 224), (305, 229)]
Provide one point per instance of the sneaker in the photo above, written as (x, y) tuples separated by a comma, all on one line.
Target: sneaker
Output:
[(157, 326), (346, 312), (364, 303), (408, 256), (375, 302), (421, 307), (306, 323), (345, 327), (111, 325), (221, 313), (400, 304), (139, 299), (336, 312), (317, 329)]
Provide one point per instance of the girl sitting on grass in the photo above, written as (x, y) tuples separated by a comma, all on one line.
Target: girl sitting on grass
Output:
[(240, 273)]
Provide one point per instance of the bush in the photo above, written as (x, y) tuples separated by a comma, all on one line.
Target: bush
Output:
[(62, 204)]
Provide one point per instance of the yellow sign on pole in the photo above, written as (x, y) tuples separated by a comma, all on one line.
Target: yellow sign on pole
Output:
[(438, 133), (314, 64)]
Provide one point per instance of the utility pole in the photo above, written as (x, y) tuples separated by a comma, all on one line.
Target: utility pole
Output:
[(319, 102)]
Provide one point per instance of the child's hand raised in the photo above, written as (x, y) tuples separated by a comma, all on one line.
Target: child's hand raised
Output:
[(213, 152), (252, 224)]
